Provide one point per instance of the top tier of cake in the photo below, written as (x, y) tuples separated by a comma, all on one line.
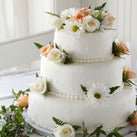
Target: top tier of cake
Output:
[(84, 33), (86, 46)]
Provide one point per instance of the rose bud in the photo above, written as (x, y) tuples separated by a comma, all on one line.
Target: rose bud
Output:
[(133, 118), (22, 100)]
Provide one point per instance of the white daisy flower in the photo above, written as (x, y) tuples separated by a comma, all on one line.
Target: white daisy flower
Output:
[(56, 22), (97, 92), (68, 13)]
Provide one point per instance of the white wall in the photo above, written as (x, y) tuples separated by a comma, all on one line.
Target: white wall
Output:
[(22, 51)]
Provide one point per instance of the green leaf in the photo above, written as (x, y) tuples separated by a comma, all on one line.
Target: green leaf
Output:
[(130, 117), (37, 75), (85, 131), (68, 59), (75, 28), (14, 122), (61, 27), (84, 89), (3, 109), (113, 89), (50, 43), (136, 133), (58, 121), (89, 7), (118, 129), (48, 89), (98, 15), (14, 93), (101, 7), (38, 45), (27, 90), (53, 14), (56, 46), (98, 131), (76, 127), (115, 132), (131, 83)]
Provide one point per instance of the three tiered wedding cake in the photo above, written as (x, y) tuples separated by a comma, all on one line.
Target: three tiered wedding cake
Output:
[(82, 74)]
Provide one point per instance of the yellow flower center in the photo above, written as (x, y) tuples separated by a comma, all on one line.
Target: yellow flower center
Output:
[(97, 95)]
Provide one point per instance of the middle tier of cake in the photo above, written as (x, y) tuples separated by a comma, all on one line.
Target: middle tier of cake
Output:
[(66, 79)]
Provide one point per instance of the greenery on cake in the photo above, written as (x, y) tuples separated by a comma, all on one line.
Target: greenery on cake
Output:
[(82, 20), (14, 123), (65, 129), (113, 89), (100, 7), (128, 75), (84, 89), (119, 48), (55, 54), (61, 123)]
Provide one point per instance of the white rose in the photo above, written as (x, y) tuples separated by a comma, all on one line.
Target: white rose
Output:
[(56, 22), (56, 55), (39, 85), (91, 24), (64, 131)]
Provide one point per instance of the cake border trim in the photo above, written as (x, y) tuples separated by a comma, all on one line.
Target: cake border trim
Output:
[(80, 97), (95, 60)]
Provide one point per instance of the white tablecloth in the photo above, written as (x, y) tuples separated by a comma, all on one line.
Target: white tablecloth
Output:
[(20, 81)]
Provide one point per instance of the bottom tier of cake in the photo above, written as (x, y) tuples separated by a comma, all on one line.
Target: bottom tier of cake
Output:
[(110, 113)]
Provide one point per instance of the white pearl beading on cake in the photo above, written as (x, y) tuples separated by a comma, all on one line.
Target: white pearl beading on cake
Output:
[(93, 60), (80, 97), (74, 97)]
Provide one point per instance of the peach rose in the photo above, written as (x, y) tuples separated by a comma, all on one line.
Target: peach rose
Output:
[(23, 100), (128, 74), (121, 45), (45, 50), (110, 18), (83, 12), (119, 48), (133, 118)]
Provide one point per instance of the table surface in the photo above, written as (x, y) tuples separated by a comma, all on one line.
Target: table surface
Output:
[(19, 81)]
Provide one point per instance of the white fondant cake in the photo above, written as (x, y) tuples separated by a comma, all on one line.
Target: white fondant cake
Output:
[(66, 79), (112, 112), (82, 77), (86, 46)]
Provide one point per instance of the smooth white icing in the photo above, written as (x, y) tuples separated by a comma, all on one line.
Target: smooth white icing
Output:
[(66, 79), (87, 45), (112, 112)]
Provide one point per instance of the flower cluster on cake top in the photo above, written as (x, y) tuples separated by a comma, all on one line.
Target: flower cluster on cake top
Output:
[(83, 20)]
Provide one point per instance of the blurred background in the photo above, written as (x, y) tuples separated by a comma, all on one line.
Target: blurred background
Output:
[(23, 22)]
